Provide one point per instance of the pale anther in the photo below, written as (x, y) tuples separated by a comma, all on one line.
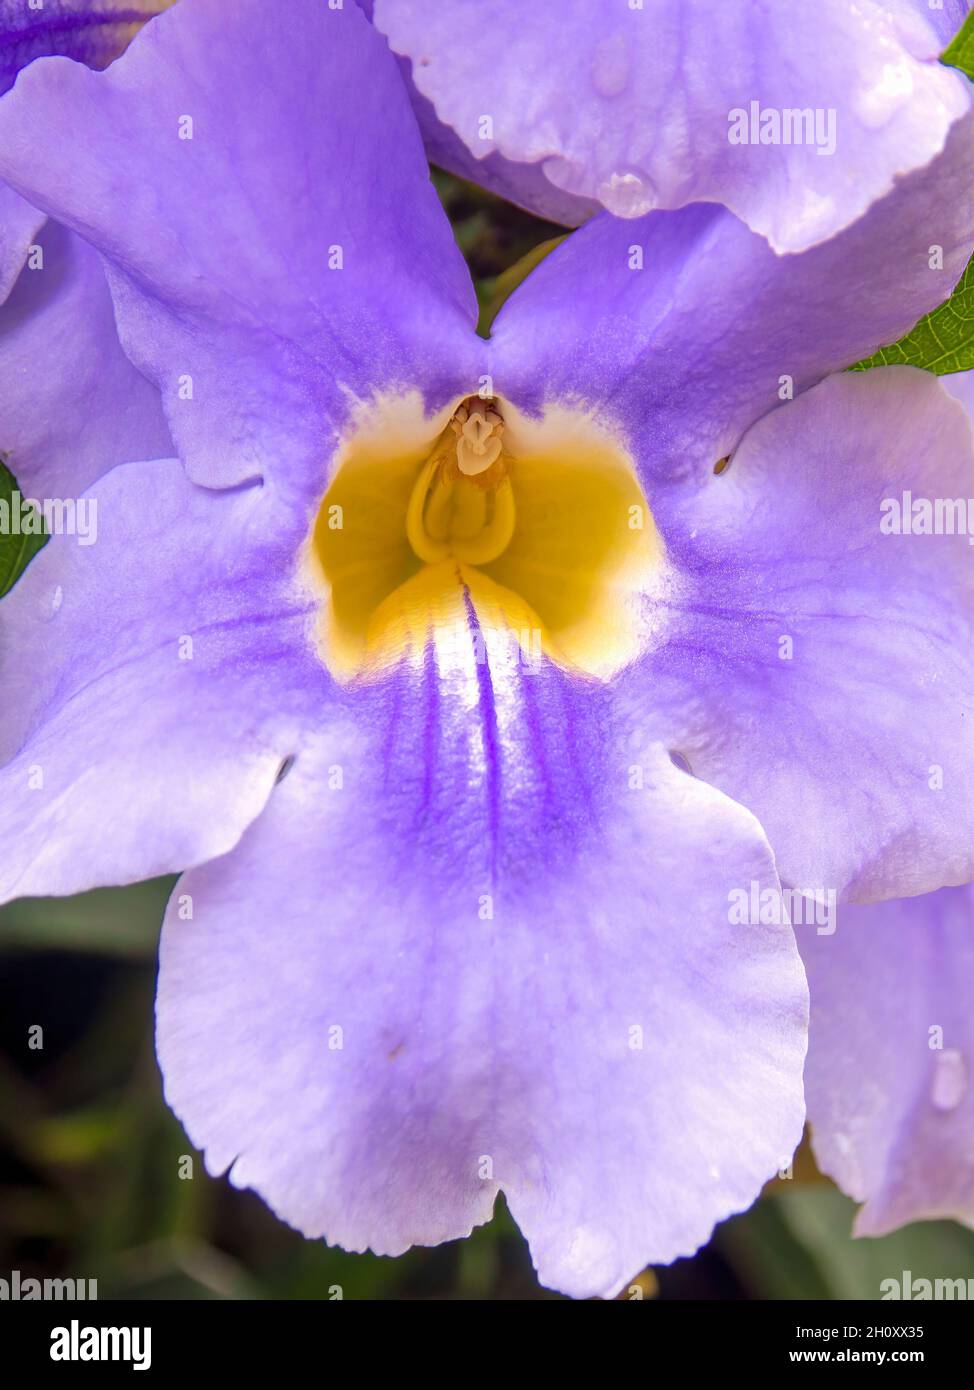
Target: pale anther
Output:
[(478, 430)]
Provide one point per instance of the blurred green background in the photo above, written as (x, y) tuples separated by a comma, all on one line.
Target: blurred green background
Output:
[(89, 1154)]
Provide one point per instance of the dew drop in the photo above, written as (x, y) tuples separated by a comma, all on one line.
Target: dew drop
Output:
[(949, 1084), (628, 193)]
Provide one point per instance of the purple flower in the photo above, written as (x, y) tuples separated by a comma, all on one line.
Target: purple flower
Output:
[(890, 1054), (797, 117), (71, 403), (890, 1046), (396, 662)]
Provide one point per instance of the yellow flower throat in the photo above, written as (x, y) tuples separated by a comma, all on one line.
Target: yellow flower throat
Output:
[(540, 525)]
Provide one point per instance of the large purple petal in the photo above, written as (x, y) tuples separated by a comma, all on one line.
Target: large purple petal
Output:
[(19, 225), (945, 16), (891, 1054), (461, 952), (817, 669), (961, 385), (685, 328), (633, 106), (289, 257), (150, 682), (71, 403), (524, 184)]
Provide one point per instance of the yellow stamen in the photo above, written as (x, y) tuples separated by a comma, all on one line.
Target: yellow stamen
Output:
[(424, 543), (454, 516)]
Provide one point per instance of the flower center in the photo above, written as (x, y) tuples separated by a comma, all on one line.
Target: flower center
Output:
[(478, 427), (462, 504), (534, 532)]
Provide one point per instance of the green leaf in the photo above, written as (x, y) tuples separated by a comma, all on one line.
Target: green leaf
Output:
[(768, 1257), (494, 294), (959, 53), (16, 550), (821, 1218), (942, 342)]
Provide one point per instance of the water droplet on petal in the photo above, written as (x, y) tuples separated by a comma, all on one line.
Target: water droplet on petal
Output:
[(628, 193), (57, 599), (949, 1084)]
